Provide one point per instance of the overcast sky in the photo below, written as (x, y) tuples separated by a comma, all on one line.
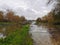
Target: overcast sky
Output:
[(31, 9)]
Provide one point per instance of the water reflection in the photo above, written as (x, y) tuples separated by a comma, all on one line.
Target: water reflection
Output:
[(45, 35)]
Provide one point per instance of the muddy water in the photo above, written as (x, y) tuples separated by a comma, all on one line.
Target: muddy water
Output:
[(45, 35)]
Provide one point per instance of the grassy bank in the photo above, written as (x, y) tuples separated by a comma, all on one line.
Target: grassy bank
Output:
[(18, 37)]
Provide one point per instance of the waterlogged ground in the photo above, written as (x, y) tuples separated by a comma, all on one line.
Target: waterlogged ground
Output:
[(7, 29), (45, 35), (41, 35), (15, 35)]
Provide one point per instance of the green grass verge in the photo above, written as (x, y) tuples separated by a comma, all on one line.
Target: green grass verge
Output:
[(18, 37)]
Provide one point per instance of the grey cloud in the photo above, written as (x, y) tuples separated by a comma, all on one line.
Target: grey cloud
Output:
[(31, 9)]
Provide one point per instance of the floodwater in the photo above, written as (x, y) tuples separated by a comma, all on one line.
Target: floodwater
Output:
[(45, 35), (5, 30), (41, 35)]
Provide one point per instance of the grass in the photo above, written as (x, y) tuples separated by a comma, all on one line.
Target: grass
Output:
[(18, 37)]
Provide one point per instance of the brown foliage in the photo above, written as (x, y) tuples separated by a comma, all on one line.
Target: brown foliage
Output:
[(1, 15), (22, 19), (11, 17), (16, 19)]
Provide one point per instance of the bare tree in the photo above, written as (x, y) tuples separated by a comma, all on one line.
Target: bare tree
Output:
[(56, 10)]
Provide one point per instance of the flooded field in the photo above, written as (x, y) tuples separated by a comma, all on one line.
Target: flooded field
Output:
[(45, 35), (15, 35), (41, 35), (7, 29)]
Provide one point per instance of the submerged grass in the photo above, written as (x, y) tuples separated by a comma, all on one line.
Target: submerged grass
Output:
[(18, 37)]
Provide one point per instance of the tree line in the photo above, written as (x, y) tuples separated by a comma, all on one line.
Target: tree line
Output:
[(11, 17), (52, 17)]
